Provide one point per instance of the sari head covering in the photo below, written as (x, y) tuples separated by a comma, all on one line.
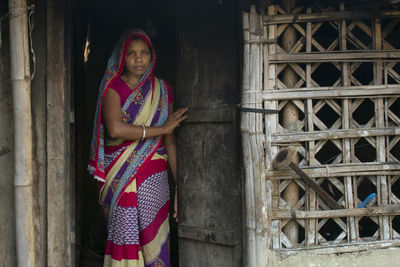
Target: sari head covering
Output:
[(115, 67)]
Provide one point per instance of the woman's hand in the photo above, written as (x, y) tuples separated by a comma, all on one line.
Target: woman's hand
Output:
[(174, 120)]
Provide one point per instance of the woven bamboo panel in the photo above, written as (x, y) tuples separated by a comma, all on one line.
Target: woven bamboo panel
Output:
[(341, 80)]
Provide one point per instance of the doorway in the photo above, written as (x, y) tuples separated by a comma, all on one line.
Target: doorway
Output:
[(97, 27)]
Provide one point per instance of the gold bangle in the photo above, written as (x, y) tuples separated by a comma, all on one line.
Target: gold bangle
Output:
[(144, 133)]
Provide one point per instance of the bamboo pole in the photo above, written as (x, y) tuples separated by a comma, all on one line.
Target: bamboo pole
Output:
[(253, 142), (290, 115), (352, 232), (382, 182), (21, 86), (249, 193)]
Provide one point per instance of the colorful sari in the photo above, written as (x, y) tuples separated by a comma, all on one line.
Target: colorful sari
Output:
[(134, 193)]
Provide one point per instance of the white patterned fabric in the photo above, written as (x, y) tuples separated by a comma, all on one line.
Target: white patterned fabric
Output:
[(151, 197)]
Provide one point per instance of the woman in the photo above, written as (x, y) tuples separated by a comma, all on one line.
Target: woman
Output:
[(132, 139)]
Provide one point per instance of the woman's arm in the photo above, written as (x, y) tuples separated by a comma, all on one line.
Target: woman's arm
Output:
[(170, 145), (111, 111)]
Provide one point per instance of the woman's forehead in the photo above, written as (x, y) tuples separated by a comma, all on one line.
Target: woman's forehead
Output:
[(138, 44)]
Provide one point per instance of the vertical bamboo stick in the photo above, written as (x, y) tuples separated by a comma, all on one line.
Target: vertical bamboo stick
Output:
[(383, 194), (21, 85), (249, 192), (311, 226), (346, 115), (253, 143), (271, 125), (290, 115)]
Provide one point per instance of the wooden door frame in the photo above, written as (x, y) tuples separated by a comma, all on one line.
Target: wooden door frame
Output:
[(60, 189)]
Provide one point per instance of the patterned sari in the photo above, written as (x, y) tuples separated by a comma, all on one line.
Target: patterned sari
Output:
[(134, 193)]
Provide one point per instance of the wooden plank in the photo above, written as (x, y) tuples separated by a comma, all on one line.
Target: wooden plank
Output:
[(338, 170), (311, 225), (281, 214), (220, 113), (337, 56), (330, 134), (58, 130), (340, 248), (330, 16), (210, 235), (332, 92)]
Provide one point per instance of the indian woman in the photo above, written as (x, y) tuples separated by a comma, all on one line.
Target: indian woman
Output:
[(132, 147)]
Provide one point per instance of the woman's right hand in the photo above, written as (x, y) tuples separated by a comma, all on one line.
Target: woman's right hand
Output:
[(174, 120)]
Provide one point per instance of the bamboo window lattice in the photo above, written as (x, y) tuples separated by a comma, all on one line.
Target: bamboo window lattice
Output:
[(334, 77)]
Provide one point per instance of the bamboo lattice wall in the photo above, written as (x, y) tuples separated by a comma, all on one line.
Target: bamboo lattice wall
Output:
[(345, 87)]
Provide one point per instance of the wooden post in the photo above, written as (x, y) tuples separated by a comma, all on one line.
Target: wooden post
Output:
[(59, 234), (253, 142), (290, 115), (21, 86)]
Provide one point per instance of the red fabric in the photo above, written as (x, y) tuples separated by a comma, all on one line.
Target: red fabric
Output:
[(150, 232), (124, 252)]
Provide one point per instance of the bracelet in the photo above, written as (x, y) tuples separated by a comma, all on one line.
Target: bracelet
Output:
[(144, 133)]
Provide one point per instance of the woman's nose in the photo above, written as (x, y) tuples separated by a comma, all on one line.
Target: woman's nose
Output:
[(138, 58)]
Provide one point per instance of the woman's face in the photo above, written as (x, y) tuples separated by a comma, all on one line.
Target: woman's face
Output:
[(138, 58)]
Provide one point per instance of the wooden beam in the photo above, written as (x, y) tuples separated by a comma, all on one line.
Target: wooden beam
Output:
[(339, 248), (330, 16), (339, 170), (332, 92), (334, 134), (281, 214), (334, 56)]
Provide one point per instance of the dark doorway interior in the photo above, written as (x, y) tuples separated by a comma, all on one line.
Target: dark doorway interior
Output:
[(97, 27)]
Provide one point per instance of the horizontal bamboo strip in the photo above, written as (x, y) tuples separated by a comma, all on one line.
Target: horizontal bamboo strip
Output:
[(260, 41), (335, 56), (338, 170), (332, 92), (330, 16), (339, 248), (340, 213), (333, 134)]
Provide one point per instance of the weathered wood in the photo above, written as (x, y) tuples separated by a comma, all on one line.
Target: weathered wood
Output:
[(337, 170), (58, 130), (205, 81), (311, 226), (382, 189), (344, 173), (204, 234), (271, 123), (340, 248), (217, 113), (393, 209), (333, 134), (330, 16), (332, 92), (23, 173), (335, 56), (290, 113), (322, 193), (249, 193)]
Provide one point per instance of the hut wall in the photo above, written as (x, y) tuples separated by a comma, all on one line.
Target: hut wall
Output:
[(39, 101), (346, 92), (7, 237)]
